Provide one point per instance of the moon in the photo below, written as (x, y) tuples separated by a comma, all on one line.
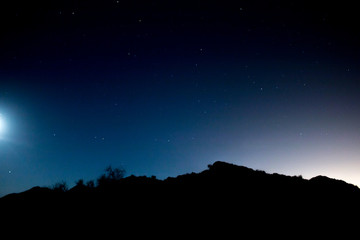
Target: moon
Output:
[(2, 124)]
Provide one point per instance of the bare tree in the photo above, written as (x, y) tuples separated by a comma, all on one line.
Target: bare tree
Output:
[(60, 187), (111, 175)]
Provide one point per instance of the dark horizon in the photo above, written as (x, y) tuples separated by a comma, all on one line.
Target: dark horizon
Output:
[(114, 180), (165, 88)]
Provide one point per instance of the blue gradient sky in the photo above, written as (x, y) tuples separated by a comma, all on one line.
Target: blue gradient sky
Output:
[(165, 89)]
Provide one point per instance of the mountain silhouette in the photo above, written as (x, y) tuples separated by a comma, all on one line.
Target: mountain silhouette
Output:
[(224, 195), (223, 178)]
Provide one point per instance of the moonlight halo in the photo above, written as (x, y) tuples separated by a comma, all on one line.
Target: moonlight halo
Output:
[(2, 124)]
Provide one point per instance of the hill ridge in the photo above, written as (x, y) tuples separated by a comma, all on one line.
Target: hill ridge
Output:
[(221, 196), (219, 172)]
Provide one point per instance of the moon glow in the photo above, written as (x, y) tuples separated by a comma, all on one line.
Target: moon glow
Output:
[(2, 124)]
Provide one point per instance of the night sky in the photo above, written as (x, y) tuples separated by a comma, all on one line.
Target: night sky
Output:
[(166, 87)]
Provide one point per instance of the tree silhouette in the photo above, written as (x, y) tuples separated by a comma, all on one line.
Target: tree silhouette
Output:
[(90, 184), (60, 187), (80, 183), (111, 176)]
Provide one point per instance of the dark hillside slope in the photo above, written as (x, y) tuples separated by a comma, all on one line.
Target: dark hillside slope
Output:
[(220, 177), (218, 195)]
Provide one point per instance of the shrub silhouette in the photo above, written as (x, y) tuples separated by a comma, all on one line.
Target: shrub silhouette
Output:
[(80, 183), (60, 187), (90, 184), (111, 176)]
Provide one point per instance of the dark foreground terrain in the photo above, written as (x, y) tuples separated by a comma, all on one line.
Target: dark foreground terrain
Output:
[(224, 196)]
